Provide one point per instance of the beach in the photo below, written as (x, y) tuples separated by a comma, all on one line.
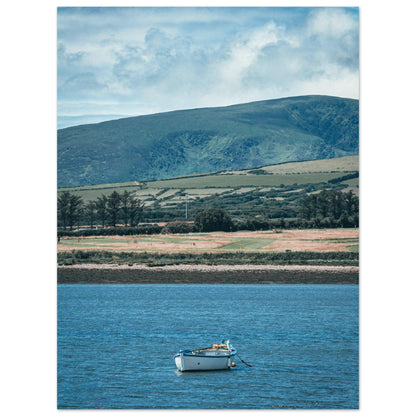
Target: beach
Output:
[(206, 274)]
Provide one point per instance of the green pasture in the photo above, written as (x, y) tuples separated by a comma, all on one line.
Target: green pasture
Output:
[(238, 181), (354, 248), (340, 240), (240, 193), (248, 244), (235, 243), (90, 193)]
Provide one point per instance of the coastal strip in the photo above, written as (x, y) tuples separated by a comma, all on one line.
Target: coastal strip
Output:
[(206, 274)]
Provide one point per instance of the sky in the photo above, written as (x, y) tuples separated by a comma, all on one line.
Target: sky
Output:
[(120, 62)]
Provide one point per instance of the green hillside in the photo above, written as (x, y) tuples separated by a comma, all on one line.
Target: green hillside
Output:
[(272, 191), (196, 141)]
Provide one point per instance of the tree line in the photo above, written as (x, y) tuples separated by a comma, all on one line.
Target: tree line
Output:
[(334, 208), (326, 209), (108, 210)]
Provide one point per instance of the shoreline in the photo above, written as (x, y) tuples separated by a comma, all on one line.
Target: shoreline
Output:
[(89, 273)]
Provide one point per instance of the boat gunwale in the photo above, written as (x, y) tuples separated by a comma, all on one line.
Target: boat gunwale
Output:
[(191, 353)]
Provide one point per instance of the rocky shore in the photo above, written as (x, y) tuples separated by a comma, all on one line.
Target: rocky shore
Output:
[(200, 273)]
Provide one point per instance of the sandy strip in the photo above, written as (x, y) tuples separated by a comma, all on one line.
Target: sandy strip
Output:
[(214, 268)]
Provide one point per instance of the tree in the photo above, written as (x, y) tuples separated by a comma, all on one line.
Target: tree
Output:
[(80, 213), (330, 208), (101, 205), (213, 219), (351, 203), (91, 211), (125, 208), (306, 209), (179, 227), (113, 207), (74, 209), (336, 204), (63, 208), (135, 210), (322, 203)]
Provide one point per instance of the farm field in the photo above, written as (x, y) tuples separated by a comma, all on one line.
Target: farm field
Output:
[(234, 182), (326, 240), (268, 193)]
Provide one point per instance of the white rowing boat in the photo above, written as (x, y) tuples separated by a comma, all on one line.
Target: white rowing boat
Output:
[(217, 357)]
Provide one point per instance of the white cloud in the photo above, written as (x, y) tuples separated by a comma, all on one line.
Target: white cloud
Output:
[(244, 53), (138, 61), (333, 22)]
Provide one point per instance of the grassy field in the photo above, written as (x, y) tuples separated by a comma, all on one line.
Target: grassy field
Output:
[(336, 240), (275, 183), (240, 180), (336, 247)]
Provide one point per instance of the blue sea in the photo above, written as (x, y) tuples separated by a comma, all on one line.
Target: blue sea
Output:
[(116, 343)]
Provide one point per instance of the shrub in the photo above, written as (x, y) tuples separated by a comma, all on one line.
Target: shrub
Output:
[(253, 225), (179, 227), (259, 172), (158, 259), (143, 229), (213, 219)]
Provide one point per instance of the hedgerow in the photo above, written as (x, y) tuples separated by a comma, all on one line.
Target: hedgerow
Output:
[(239, 257)]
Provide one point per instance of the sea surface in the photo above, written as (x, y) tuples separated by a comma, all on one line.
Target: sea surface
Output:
[(116, 343)]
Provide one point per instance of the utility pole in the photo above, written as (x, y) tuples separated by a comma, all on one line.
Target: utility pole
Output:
[(186, 209)]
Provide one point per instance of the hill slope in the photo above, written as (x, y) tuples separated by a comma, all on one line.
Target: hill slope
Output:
[(207, 140)]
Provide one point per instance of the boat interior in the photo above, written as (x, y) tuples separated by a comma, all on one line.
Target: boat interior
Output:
[(216, 349)]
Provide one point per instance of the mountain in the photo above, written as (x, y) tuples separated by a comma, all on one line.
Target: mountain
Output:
[(203, 140)]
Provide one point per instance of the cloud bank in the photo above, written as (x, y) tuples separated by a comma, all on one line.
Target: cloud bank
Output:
[(116, 62)]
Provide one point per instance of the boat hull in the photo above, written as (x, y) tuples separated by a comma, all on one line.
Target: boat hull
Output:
[(186, 362)]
